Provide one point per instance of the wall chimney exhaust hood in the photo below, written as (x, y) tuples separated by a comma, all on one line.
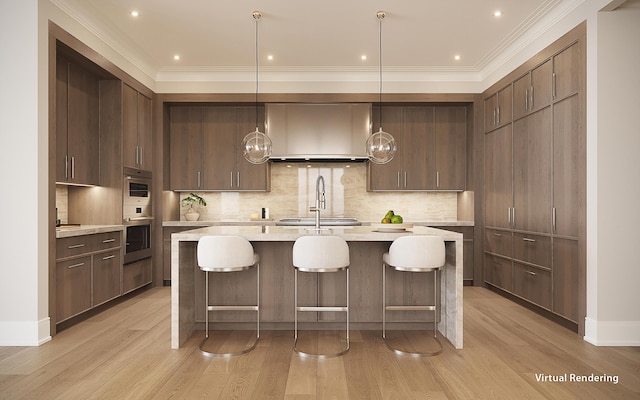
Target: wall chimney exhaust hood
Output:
[(318, 131)]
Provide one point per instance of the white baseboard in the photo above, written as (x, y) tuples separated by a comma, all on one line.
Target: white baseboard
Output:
[(612, 333), (25, 333)]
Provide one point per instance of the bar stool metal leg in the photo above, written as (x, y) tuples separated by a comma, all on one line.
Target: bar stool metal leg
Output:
[(319, 309), (209, 308), (433, 308)]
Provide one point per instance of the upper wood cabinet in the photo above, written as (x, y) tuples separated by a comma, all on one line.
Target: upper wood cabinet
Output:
[(567, 70), (497, 108), (136, 130), (77, 124), (205, 149), (431, 152), (532, 92)]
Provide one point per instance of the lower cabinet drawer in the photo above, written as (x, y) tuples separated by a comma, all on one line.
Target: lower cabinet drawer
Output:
[(136, 275), (533, 284), (497, 271), (73, 287), (534, 249), (498, 242)]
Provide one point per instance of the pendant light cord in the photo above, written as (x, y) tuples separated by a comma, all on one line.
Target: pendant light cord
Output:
[(380, 17), (257, 16)]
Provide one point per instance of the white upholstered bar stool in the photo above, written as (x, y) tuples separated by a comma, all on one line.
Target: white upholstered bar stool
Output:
[(415, 253), (320, 253), (221, 253)]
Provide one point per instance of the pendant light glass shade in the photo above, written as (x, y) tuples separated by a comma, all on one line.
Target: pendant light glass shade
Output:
[(256, 146), (381, 146)]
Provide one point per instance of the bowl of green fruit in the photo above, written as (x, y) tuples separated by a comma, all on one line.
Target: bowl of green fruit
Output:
[(391, 222)]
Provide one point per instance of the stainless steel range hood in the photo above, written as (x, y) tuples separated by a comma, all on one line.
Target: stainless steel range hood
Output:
[(318, 131)]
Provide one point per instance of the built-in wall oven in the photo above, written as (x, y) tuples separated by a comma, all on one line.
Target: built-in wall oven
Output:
[(137, 215)]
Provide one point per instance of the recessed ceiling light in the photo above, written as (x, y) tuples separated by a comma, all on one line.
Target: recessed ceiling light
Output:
[(269, 57), (363, 57), (135, 13), (176, 57), (497, 13), (457, 57)]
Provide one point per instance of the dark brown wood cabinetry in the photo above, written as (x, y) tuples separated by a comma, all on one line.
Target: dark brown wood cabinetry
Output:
[(205, 149), (534, 192), (431, 152), (497, 108), (136, 129), (77, 124), (88, 272)]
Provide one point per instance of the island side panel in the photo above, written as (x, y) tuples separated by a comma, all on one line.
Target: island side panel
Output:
[(183, 257)]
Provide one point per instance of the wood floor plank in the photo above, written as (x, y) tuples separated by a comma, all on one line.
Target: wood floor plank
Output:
[(124, 353)]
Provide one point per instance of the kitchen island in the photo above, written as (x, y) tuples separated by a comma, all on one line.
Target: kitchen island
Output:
[(274, 245)]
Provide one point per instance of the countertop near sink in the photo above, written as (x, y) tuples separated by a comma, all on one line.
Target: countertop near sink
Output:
[(200, 224), (81, 230)]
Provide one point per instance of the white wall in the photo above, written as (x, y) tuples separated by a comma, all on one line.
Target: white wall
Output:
[(613, 312), (23, 173)]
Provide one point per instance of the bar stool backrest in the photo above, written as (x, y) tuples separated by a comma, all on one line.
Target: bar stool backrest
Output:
[(218, 252), (320, 253), (417, 251)]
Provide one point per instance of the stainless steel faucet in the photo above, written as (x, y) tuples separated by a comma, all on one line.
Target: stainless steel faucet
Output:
[(320, 200)]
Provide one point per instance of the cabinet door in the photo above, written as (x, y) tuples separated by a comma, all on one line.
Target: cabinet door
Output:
[(566, 64), (73, 287), (532, 172), (249, 176), (568, 167), (129, 126), (498, 178), (521, 96), (388, 176), (419, 153), (533, 284), (62, 83), (145, 143), (540, 92), (185, 138), (451, 147), (106, 276), (219, 148), (505, 99), (491, 113), (83, 127), (565, 278)]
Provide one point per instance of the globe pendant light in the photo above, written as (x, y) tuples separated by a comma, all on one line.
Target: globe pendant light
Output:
[(381, 146), (256, 146)]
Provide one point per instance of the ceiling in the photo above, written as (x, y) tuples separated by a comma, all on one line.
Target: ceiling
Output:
[(302, 35)]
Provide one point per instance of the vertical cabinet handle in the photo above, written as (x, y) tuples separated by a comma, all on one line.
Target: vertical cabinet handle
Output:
[(553, 85), (231, 179), (73, 168), (405, 179), (553, 220), (498, 114), (437, 179), (238, 179), (526, 99), (137, 159), (398, 179), (531, 102), (513, 217), (494, 117), (198, 179)]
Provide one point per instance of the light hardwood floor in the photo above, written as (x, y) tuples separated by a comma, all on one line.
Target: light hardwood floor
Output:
[(124, 353)]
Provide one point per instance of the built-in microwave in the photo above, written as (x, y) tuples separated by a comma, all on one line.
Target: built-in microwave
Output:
[(136, 192)]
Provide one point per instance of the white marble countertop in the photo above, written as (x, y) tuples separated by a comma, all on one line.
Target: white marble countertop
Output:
[(273, 222), (285, 233), (81, 230)]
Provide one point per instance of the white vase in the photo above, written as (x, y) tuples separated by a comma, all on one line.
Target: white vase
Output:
[(191, 215)]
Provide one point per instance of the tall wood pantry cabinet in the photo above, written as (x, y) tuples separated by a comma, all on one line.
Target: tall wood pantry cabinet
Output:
[(77, 124), (136, 129), (534, 193), (431, 151), (205, 148)]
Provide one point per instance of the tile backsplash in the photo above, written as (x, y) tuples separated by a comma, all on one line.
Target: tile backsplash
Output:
[(293, 192)]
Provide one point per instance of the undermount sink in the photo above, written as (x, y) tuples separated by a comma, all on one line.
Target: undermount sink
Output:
[(323, 222)]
